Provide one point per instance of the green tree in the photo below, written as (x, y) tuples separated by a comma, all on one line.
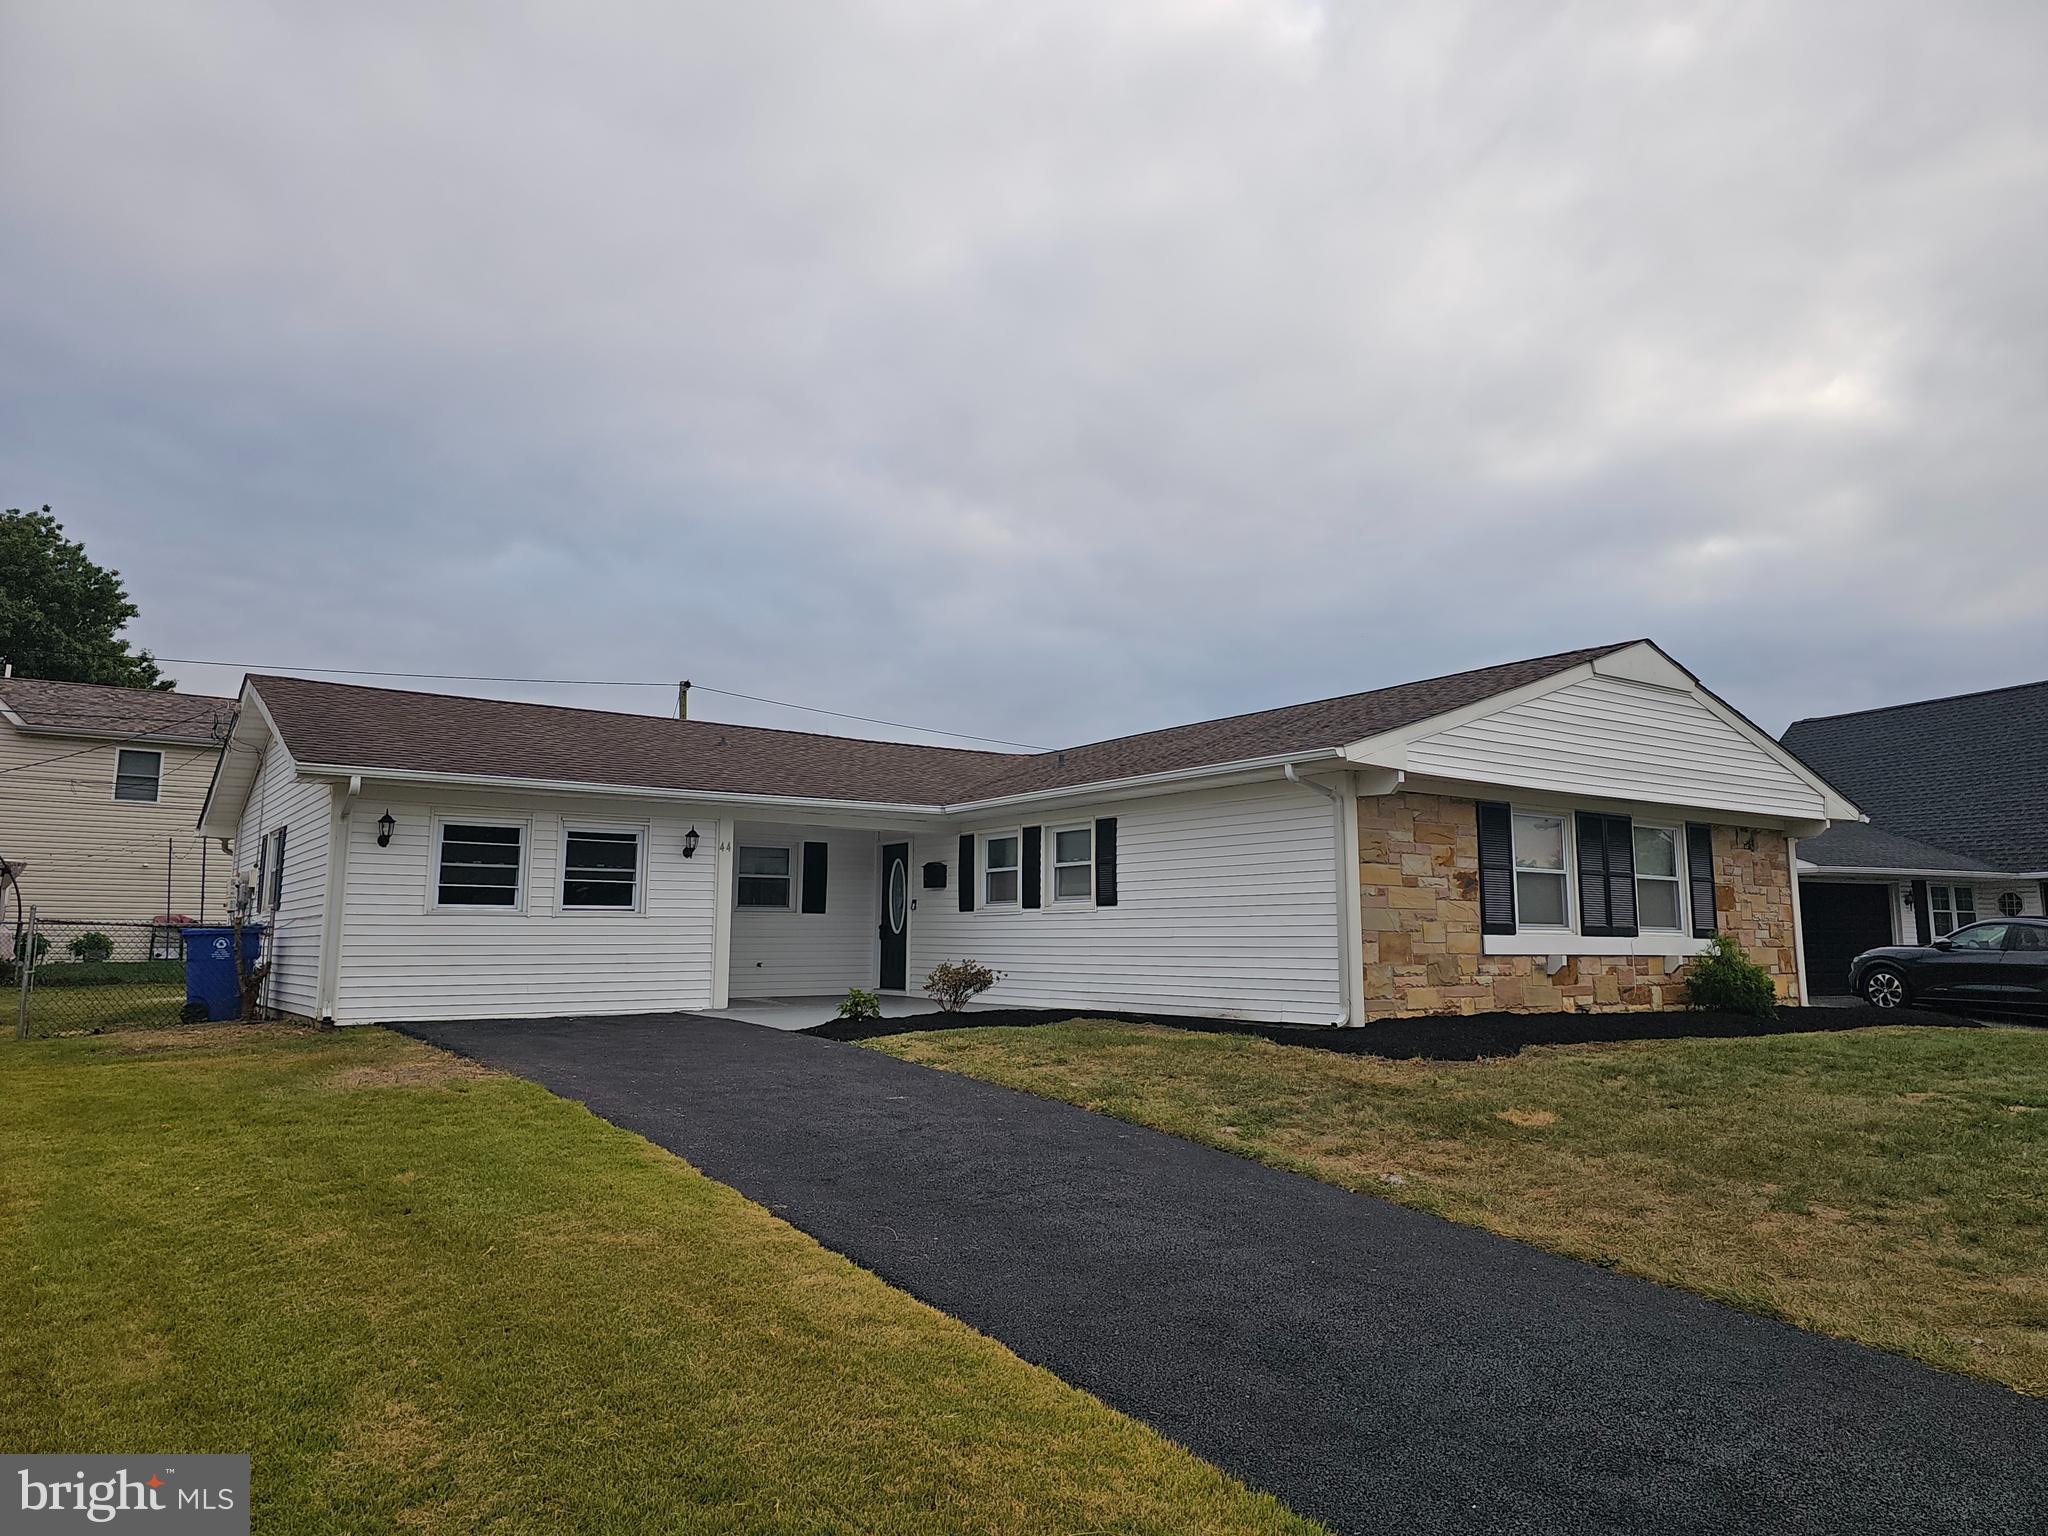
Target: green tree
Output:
[(61, 616)]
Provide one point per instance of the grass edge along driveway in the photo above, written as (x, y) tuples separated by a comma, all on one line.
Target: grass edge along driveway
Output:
[(1885, 1185), (424, 1294)]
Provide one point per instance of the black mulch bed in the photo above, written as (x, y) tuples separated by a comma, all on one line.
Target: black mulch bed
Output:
[(1435, 1039)]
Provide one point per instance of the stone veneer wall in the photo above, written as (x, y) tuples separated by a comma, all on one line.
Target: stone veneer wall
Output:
[(1419, 902)]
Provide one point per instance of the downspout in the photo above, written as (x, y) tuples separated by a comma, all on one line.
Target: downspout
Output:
[(1350, 944)]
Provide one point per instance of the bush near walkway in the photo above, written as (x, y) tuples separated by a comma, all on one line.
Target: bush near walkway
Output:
[(426, 1296), (1885, 1185)]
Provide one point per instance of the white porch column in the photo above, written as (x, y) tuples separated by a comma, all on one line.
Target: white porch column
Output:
[(723, 891)]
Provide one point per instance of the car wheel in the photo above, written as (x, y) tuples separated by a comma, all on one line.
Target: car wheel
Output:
[(1884, 988)]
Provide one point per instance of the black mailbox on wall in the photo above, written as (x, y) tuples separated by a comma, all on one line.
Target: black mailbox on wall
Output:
[(935, 875)]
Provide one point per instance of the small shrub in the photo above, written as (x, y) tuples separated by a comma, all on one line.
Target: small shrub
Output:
[(953, 983), (860, 1004), (91, 946), (1725, 980)]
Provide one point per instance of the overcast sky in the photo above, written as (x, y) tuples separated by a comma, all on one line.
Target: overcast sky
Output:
[(1044, 371)]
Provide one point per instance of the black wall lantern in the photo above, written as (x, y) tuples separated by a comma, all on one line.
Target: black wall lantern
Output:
[(690, 843), (385, 827)]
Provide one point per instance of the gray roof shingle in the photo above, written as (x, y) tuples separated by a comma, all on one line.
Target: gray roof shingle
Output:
[(344, 725), (90, 709), (1968, 773), (1855, 845)]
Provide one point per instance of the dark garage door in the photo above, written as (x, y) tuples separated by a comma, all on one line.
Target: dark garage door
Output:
[(1841, 921)]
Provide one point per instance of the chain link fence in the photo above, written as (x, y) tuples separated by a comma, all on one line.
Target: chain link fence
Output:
[(60, 978)]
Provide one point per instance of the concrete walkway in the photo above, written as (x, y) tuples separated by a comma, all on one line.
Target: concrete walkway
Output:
[(807, 1012), (1374, 1367)]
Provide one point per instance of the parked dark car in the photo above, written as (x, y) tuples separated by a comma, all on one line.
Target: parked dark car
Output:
[(2002, 964)]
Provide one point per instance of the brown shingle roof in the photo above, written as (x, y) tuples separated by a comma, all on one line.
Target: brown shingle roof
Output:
[(90, 709), (342, 725), (348, 726)]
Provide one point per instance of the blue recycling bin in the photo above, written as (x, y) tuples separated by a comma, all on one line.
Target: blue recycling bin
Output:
[(210, 975)]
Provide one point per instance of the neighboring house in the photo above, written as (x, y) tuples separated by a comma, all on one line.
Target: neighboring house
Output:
[(1956, 790), (1563, 832), (99, 790)]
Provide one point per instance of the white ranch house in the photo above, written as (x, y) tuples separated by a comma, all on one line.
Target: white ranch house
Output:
[(1558, 832)]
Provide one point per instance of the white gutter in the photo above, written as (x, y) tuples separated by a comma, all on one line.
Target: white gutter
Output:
[(1350, 930), (1098, 788), (1095, 790), (1804, 868)]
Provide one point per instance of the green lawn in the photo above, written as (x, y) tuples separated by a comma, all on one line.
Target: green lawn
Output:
[(425, 1297), (1888, 1185)]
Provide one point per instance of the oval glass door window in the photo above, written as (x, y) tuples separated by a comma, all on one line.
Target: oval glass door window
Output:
[(899, 896)]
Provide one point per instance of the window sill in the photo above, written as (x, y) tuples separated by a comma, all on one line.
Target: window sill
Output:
[(1535, 942)]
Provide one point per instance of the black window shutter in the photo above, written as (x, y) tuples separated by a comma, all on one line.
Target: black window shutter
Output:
[(1033, 859), (277, 873), (1699, 871), (1923, 921), (814, 877), (1496, 868), (1607, 876), (1105, 861), (967, 872), (1621, 876), (1595, 920)]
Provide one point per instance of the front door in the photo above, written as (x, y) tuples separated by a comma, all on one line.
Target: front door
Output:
[(895, 916)]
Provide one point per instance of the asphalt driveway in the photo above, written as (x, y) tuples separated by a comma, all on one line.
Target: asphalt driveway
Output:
[(1373, 1366)]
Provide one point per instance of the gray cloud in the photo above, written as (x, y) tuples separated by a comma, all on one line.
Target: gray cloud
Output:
[(1042, 371)]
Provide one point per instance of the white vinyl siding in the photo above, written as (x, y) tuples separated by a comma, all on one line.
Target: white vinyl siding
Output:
[(403, 959), (1605, 738), (777, 953), (294, 930), (1227, 906), (1995, 900), (92, 858)]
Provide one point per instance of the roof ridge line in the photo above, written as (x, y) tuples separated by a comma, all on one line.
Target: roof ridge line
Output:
[(1945, 698), (624, 714), (1588, 652)]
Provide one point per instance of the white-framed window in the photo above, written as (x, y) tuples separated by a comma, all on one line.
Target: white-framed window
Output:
[(767, 882), (601, 868), (1950, 907), (1542, 887), (1001, 868), (273, 858), (1660, 882), (1073, 863), (138, 775), (2011, 904), (480, 864)]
